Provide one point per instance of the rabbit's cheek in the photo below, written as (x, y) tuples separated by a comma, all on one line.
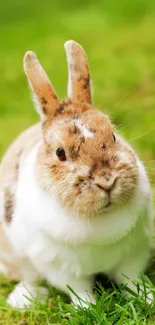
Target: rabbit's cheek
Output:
[(124, 190)]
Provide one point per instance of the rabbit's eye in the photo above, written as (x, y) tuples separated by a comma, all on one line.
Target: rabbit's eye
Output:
[(114, 137), (60, 152)]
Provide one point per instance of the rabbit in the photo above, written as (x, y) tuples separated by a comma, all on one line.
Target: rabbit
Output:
[(75, 199)]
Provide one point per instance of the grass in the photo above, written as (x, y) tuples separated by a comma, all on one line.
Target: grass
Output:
[(119, 38), (111, 308)]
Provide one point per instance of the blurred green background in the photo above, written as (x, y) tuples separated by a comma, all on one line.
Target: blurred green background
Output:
[(119, 38)]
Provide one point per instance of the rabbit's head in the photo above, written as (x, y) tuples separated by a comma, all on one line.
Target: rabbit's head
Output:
[(82, 159)]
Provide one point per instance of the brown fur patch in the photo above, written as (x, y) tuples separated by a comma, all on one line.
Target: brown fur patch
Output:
[(44, 101), (60, 109), (74, 152), (85, 81), (8, 205), (9, 167), (54, 96), (74, 130), (103, 146), (45, 110)]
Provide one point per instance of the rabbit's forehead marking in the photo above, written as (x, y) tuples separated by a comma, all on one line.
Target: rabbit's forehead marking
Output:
[(74, 127), (84, 129)]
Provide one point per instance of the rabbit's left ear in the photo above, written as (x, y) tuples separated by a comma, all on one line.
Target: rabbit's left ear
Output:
[(43, 92), (78, 70)]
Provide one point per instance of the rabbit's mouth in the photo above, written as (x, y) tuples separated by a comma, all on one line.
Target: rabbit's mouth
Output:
[(92, 202), (96, 201), (92, 198)]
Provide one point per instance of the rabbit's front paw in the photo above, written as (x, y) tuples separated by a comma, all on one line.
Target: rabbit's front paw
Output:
[(83, 299), (21, 296), (24, 295)]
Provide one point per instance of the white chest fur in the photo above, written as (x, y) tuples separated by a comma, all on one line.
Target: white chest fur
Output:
[(57, 242)]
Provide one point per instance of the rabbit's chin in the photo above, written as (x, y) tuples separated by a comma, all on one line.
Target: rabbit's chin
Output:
[(90, 206)]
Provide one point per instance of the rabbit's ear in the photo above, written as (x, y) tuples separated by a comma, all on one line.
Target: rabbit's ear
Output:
[(78, 70), (43, 92)]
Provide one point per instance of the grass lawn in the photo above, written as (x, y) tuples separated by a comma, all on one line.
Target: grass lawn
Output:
[(119, 38)]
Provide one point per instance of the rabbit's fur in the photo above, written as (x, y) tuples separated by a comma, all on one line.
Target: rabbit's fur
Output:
[(74, 197)]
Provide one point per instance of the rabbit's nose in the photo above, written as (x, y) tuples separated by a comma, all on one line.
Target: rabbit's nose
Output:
[(106, 182)]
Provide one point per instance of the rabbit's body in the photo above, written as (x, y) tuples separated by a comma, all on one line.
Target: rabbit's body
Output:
[(47, 242), (87, 212)]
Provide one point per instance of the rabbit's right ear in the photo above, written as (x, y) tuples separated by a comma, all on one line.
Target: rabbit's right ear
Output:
[(78, 69), (44, 95)]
